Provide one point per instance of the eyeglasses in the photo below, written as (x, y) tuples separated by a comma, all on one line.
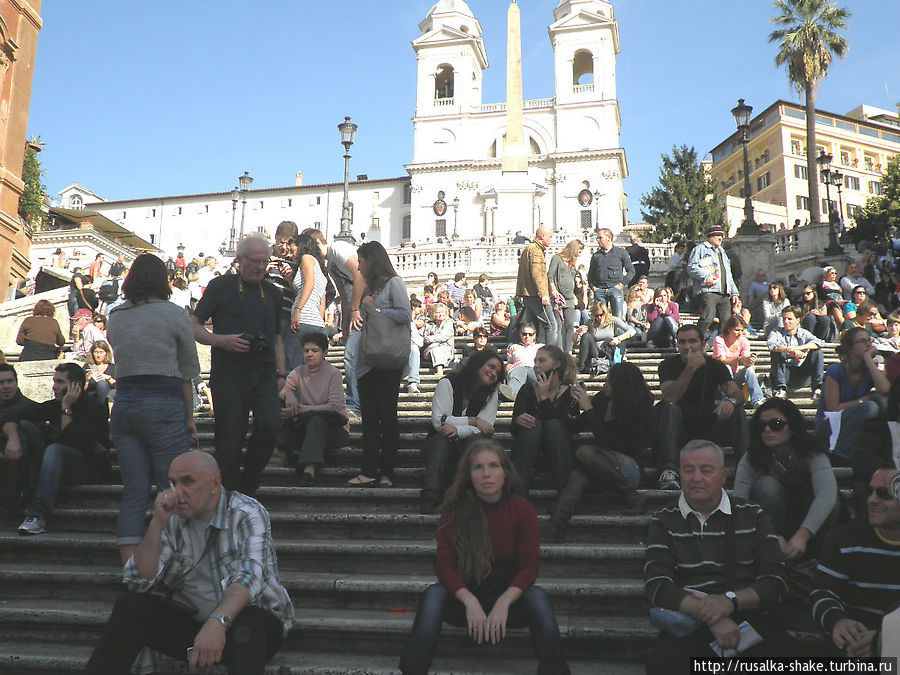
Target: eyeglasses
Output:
[(880, 492), (776, 424)]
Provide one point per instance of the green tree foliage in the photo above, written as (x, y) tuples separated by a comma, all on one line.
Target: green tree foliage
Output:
[(807, 38), (31, 201), (686, 202), (882, 213)]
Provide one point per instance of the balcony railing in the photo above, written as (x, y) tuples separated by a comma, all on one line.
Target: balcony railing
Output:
[(443, 102), (583, 88)]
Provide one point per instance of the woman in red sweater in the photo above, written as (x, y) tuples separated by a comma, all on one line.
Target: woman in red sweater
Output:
[(483, 587)]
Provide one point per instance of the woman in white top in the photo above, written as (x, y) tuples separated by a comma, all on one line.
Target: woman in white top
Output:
[(776, 300), (308, 310)]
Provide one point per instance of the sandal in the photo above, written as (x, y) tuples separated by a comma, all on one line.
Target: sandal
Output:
[(361, 481), (385, 482)]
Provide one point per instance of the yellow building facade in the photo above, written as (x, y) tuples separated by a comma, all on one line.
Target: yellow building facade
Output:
[(860, 142)]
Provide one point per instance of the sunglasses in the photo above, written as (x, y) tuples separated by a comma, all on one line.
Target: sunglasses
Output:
[(883, 493), (776, 424)]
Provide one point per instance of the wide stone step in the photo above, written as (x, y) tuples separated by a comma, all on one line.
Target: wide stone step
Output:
[(44, 658), (360, 632)]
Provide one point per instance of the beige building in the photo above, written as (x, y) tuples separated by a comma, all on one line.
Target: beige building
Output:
[(860, 142)]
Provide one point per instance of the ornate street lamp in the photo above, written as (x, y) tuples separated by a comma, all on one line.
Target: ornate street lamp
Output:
[(741, 113), (348, 133), (824, 162), (597, 194), (837, 179), (245, 182), (235, 198), (455, 204)]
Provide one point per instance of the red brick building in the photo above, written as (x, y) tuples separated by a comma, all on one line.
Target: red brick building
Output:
[(20, 21)]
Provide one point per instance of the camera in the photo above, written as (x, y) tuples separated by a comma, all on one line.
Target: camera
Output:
[(259, 345)]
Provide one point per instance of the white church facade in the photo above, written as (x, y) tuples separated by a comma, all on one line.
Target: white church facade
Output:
[(575, 166)]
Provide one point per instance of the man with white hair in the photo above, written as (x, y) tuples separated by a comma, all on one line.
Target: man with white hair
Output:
[(248, 362), (712, 562)]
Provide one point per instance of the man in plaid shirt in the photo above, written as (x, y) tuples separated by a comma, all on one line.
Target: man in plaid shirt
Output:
[(204, 573)]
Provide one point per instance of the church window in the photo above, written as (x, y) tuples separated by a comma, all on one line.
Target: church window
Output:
[(443, 83), (586, 219), (406, 230), (440, 227), (407, 193), (583, 68), (76, 202)]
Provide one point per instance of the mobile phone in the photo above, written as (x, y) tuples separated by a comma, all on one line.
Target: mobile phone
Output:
[(554, 369)]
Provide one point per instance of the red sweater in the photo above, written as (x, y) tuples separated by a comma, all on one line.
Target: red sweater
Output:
[(515, 543)]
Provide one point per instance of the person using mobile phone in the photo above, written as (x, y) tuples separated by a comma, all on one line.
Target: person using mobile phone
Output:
[(543, 418)]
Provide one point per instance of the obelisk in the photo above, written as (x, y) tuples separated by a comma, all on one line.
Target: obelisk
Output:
[(515, 155), (515, 192)]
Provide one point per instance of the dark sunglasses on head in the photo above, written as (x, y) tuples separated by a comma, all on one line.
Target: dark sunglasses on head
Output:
[(776, 424), (881, 492)]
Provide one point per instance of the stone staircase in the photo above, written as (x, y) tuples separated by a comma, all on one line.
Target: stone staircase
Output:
[(354, 562)]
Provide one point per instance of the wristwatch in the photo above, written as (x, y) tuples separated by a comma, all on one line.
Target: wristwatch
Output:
[(68, 411), (733, 597), (225, 620)]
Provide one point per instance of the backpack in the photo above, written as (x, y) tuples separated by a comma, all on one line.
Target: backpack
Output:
[(109, 290)]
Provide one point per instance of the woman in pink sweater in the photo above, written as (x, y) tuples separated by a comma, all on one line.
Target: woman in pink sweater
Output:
[(487, 562), (315, 410)]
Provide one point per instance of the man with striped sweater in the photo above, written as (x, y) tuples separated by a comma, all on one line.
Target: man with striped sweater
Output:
[(712, 562), (858, 584)]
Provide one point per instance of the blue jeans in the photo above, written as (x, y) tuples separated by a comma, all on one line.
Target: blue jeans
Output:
[(785, 375), (852, 420), (614, 298), (550, 437), (532, 609), (519, 376), (413, 365), (60, 464), (748, 376), (148, 433), (351, 343), (662, 331)]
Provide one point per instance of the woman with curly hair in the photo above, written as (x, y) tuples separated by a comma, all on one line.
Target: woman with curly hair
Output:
[(40, 334), (543, 418), (620, 416), (487, 562), (464, 409), (789, 475)]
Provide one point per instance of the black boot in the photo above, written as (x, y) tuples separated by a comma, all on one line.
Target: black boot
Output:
[(565, 505)]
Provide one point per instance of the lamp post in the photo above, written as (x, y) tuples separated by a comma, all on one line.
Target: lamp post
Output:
[(596, 196), (245, 182), (455, 205), (741, 113), (824, 162), (235, 197), (837, 179), (348, 132)]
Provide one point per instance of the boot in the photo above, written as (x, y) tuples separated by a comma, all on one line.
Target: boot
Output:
[(565, 505), (607, 474)]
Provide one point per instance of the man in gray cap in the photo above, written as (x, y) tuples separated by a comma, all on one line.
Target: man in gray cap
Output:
[(710, 271)]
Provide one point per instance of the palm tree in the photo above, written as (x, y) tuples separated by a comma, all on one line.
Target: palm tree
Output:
[(807, 39)]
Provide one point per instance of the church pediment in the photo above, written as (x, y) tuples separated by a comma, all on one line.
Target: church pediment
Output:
[(443, 34), (581, 19)]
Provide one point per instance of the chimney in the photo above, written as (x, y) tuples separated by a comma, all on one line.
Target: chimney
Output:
[(299, 180), (362, 176)]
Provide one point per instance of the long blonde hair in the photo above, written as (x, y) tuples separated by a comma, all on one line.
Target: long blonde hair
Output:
[(607, 315), (471, 537), (571, 252)]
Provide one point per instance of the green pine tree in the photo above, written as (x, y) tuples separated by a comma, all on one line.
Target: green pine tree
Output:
[(686, 202), (32, 199)]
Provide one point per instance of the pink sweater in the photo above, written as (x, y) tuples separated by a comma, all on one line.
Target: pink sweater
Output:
[(321, 390), (741, 347)]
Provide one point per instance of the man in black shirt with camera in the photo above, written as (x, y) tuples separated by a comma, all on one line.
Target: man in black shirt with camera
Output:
[(248, 363)]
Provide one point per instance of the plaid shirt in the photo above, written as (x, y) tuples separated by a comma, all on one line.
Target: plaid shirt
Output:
[(244, 554)]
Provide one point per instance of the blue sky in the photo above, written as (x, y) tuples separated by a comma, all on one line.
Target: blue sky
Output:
[(139, 99)]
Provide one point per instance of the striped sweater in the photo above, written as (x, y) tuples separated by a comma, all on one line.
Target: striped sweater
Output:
[(684, 554), (858, 577)]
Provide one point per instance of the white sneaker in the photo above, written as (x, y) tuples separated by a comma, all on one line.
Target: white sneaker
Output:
[(412, 388), (506, 392), (32, 525), (668, 480)]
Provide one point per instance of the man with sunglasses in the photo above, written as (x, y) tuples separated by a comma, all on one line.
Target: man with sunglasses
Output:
[(857, 595), (520, 361)]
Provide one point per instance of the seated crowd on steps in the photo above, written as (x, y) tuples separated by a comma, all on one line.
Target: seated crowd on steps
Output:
[(271, 318)]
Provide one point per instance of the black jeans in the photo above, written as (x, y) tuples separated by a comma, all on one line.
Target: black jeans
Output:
[(139, 620), (674, 432), (236, 394), (312, 435), (550, 437), (442, 457), (378, 394), (711, 306), (532, 609)]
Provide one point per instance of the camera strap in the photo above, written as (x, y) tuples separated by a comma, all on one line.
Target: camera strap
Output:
[(263, 305)]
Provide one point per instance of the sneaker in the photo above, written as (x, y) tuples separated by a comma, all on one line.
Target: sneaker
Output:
[(354, 415), (817, 392), (412, 388), (668, 480), (506, 392), (32, 525), (781, 392)]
